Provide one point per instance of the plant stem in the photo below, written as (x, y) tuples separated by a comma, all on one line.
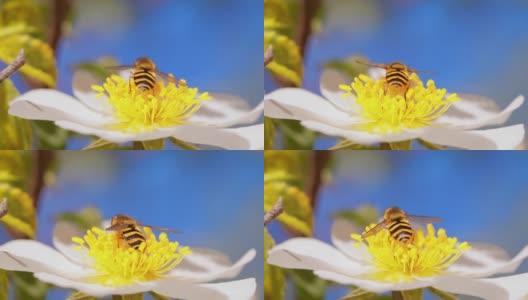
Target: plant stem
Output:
[(430, 146), (183, 144), (13, 66)]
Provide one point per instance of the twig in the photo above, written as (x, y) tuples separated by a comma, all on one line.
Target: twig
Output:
[(3, 208), (19, 61), (274, 212), (317, 163), (41, 161), (268, 55), (308, 11)]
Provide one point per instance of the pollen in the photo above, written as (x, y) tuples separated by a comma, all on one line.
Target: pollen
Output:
[(427, 255), (387, 113), (166, 105), (116, 264)]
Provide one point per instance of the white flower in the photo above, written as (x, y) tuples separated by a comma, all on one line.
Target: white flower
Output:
[(440, 262), (372, 117), (117, 113), (176, 273)]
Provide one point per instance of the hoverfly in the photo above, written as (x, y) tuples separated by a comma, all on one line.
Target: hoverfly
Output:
[(397, 222), (128, 232)]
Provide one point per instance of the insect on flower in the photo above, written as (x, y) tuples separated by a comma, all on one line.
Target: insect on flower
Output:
[(398, 223), (128, 232), (397, 80), (145, 75)]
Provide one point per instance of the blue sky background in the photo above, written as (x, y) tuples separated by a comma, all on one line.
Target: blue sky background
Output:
[(214, 197), (472, 46), (481, 196)]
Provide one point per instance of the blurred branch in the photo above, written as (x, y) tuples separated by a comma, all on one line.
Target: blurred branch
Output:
[(58, 11), (3, 207), (318, 161), (308, 11), (268, 55), (274, 212), (41, 161), (19, 61)]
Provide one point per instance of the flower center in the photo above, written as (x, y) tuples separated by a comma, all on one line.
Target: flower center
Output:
[(118, 264), (162, 106), (426, 256), (390, 112)]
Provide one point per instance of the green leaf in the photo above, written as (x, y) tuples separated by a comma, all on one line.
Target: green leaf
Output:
[(404, 145), (158, 296), (80, 296), (15, 132), (276, 15), (101, 144), (86, 218), (274, 281), (40, 60), (25, 12), (182, 144), (128, 297), (295, 135), (430, 146), (150, 145), (283, 165), (97, 67), (348, 145), (28, 287), (441, 294), (307, 285), (15, 167), (297, 213), (287, 61), (49, 136), (348, 66), (21, 216), (269, 133), (4, 285), (363, 216), (408, 295)]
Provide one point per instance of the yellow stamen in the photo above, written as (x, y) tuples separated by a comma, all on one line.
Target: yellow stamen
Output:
[(164, 106), (388, 113), (426, 256), (122, 265)]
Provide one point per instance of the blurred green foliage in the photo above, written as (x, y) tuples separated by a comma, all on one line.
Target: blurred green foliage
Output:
[(4, 285), (15, 132), (80, 296), (86, 218), (269, 133), (274, 280)]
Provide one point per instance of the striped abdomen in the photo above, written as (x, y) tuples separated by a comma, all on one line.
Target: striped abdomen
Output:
[(144, 80), (397, 78), (133, 237), (400, 230)]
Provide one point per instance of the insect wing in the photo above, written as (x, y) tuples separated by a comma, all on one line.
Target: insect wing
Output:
[(411, 70), (374, 230), (117, 227), (119, 68), (383, 66), (423, 219), (167, 230)]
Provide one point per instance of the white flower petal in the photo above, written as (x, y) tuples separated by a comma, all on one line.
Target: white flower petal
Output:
[(207, 265), (82, 90), (374, 285), (330, 81), (503, 138), (471, 287), (225, 110), (117, 136), (93, 289), (299, 104), (515, 285), (362, 137), (52, 105), (232, 290), (341, 231), (476, 111), (62, 241), (312, 254), (242, 138), (376, 73), (480, 262), (32, 256)]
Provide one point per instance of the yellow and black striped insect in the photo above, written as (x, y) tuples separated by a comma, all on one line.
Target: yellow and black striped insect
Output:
[(145, 75), (128, 232), (396, 78), (397, 222)]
